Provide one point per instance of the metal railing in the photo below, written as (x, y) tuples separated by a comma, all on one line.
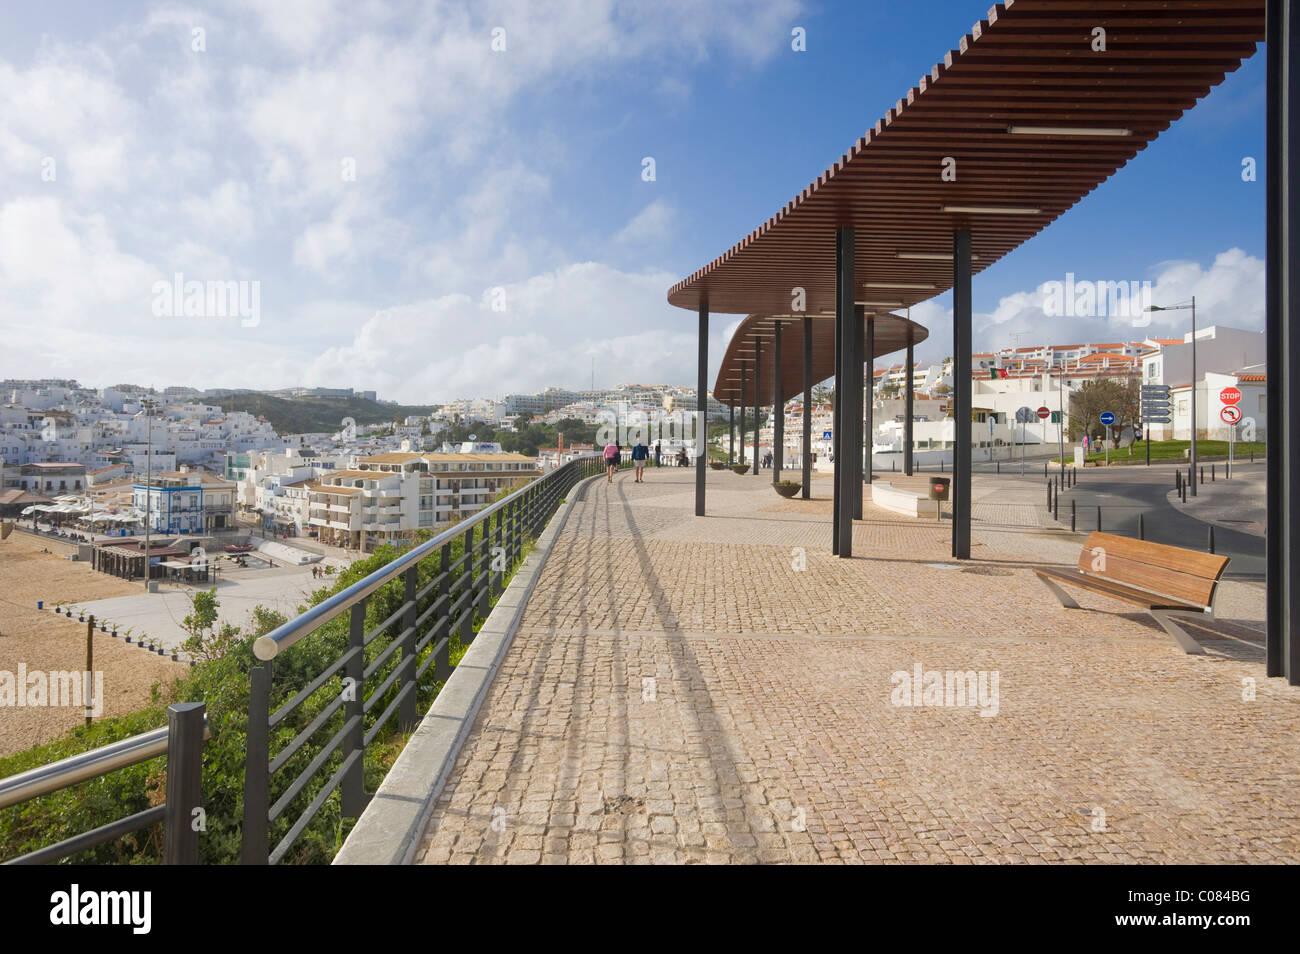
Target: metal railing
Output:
[(181, 740), (376, 645)]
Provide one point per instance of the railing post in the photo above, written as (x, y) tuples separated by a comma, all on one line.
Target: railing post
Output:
[(442, 664), (498, 584), (353, 784), (256, 848), (467, 579), (407, 711), (184, 782)]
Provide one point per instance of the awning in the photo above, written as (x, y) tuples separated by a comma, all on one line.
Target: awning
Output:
[(1015, 126), (891, 334)]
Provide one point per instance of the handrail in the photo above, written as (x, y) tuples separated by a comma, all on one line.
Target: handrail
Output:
[(281, 638), (308, 739), (181, 740), (85, 765)]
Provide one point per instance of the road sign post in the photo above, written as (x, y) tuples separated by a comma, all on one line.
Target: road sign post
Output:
[(1023, 416), (1107, 419), (1154, 409)]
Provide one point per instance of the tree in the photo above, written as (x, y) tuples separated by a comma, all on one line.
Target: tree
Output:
[(1089, 402)]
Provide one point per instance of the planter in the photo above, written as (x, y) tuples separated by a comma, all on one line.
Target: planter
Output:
[(716, 465), (741, 469), (787, 488)]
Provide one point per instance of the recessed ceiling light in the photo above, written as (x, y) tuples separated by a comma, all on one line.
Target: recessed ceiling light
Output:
[(1067, 131), (930, 256), (990, 209)]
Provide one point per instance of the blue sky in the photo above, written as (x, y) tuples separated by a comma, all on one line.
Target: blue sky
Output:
[(509, 176)]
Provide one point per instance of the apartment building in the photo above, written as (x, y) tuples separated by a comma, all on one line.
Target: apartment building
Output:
[(185, 501), (388, 498)]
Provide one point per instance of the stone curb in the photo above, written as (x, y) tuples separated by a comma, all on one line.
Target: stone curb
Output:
[(391, 828)]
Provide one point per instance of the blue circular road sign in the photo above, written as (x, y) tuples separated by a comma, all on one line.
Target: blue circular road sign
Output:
[(1107, 418)]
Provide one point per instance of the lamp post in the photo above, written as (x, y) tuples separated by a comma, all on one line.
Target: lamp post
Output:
[(148, 485), (1183, 307), (1060, 415)]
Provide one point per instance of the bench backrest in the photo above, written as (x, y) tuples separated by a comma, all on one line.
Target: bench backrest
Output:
[(1186, 575)]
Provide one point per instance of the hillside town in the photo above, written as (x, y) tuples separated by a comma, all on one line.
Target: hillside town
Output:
[(101, 459)]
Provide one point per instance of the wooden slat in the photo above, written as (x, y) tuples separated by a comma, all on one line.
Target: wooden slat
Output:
[(1028, 63), (1170, 571), (1207, 565), (1118, 591)]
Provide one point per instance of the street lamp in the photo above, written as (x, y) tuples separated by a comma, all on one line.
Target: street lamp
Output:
[(1183, 307), (148, 406)]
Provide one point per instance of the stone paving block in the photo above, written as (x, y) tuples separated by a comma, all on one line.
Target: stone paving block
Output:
[(770, 730)]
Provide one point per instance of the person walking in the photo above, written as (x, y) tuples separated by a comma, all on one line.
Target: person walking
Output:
[(659, 450), (612, 454), (640, 453)]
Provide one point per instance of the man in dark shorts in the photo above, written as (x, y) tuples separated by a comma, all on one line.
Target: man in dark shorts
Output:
[(639, 455)]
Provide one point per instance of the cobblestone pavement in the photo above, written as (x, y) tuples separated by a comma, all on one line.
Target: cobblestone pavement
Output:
[(723, 690)]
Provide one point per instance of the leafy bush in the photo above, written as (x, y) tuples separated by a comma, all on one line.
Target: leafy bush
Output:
[(221, 679)]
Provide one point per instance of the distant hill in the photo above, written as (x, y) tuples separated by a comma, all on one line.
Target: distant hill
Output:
[(296, 415)]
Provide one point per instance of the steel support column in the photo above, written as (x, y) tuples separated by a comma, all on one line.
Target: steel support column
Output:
[(869, 350), (909, 389), (856, 369), (741, 434), (758, 378), (961, 396), (847, 407), (778, 406), (702, 410), (1282, 315), (807, 408), (731, 434)]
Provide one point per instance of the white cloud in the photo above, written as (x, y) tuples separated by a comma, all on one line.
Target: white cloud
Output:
[(1229, 292), (652, 224)]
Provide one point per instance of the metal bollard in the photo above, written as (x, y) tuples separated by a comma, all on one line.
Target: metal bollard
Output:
[(1142, 533), (1211, 473), (1099, 518), (1072, 515), (1044, 468), (1211, 538), (1056, 508), (1049, 495), (1202, 473), (999, 466)]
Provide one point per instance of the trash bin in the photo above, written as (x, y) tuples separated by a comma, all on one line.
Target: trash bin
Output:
[(939, 488)]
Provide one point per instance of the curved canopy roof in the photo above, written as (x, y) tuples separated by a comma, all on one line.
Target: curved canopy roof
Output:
[(891, 334), (1026, 117)]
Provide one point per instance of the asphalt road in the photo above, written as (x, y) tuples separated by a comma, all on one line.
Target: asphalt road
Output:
[(1123, 493)]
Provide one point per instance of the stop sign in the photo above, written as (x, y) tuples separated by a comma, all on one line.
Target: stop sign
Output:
[(1044, 413), (1230, 395)]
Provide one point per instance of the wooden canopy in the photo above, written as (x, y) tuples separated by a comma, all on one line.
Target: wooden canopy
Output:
[(1039, 104), (890, 335)]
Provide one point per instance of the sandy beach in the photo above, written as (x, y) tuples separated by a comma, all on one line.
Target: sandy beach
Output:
[(44, 641)]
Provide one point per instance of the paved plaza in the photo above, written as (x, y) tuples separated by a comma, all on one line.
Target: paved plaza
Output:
[(724, 690)]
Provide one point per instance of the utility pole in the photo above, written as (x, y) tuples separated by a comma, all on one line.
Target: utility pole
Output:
[(148, 486)]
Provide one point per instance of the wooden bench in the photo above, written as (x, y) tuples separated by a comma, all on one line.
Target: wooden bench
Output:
[(1168, 581)]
